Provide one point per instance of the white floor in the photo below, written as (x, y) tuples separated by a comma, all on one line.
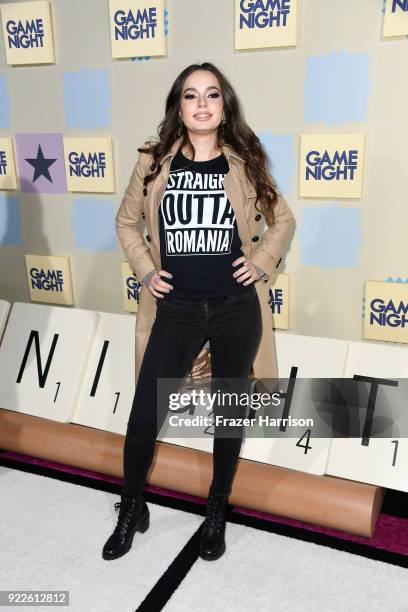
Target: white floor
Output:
[(265, 572), (53, 533)]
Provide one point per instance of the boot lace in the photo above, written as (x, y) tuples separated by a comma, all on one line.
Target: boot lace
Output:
[(124, 506), (126, 503), (215, 512)]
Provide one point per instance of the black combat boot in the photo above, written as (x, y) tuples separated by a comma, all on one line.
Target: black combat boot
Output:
[(212, 542), (133, 516)]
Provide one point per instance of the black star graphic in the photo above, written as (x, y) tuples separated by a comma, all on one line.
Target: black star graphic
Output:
[(41, 165)]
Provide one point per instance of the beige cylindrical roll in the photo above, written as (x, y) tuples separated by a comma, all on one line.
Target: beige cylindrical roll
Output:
[(324, 500)]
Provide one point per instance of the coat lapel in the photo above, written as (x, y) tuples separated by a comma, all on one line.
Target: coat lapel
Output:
[(236, 189)]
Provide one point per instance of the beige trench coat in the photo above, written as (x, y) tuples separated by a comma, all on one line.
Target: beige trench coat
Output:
[(144, 254)]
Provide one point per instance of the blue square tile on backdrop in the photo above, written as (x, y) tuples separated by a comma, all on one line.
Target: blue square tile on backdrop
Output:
[(93, 224), (4, 103), (337, 87), (330, 236), (10, 220), (87, 99), (282, 160)]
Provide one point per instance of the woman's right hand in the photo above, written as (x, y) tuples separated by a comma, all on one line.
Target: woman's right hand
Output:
[(157, 285)]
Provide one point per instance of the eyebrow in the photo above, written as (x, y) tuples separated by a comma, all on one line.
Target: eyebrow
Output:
[(194, 89)]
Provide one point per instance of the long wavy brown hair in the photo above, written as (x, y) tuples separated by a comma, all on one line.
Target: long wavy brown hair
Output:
[(236, 133)]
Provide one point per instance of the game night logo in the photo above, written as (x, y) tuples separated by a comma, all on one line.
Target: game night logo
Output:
[(261, 14), (388, 313), (87, 164), (3, 163), (135, 24), (399, 5), (340, 164), (331, 165), (25, 33), (137, 28), (46, 279), (133, 287), (8, 177)]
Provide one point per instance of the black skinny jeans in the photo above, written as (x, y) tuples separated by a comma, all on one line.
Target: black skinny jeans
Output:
[(182, 325)]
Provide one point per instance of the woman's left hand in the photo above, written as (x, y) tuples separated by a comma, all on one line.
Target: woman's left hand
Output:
[(247, 272)]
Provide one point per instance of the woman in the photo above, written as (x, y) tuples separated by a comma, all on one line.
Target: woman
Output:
[(197, 188)]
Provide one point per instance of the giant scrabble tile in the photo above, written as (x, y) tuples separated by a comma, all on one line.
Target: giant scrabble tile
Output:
[(299, 357), (108, 387), (4, 313), (381, 460), (43, 355)]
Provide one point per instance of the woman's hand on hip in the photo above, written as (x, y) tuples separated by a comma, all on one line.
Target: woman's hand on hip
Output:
[(247, 272), (157, 286)]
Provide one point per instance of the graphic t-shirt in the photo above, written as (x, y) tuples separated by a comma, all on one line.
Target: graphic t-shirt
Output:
[(199, 237)]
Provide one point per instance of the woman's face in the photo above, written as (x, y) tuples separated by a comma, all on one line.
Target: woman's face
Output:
[(201, 104)]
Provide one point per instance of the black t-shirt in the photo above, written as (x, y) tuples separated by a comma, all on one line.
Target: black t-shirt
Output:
[(199, 238)]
